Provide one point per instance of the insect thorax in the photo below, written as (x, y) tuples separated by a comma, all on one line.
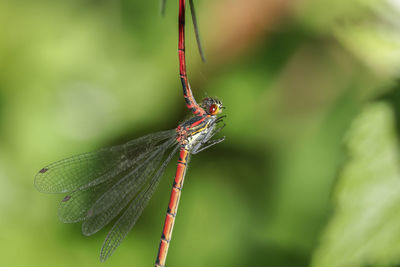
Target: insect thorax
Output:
[(194, 130)]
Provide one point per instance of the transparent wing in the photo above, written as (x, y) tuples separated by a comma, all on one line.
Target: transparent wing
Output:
[(89, 202), (90, 169), (112, 202), (75, 207), (128, 219)]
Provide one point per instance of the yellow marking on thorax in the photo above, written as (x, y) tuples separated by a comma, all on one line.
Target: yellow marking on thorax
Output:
[(201, 129)]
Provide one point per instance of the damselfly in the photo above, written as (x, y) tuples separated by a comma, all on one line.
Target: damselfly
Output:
[(117, 182)]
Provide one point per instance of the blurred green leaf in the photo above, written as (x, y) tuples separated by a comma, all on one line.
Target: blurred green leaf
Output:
[(365, 227), (369, 29)]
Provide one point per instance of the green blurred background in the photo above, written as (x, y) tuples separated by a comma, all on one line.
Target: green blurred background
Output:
[(309, 174)]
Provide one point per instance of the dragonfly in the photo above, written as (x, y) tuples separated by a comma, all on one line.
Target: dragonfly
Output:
[(117, 182)]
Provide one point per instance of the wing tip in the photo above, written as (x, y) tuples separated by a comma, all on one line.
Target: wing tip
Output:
[(38, 182)]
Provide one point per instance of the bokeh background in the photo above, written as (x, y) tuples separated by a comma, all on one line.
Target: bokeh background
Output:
[(309, 174)]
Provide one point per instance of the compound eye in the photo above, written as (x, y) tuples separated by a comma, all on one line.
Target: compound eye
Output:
[(213, 109)]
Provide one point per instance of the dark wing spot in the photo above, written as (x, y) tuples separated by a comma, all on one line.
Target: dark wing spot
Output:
[(66, 198), (43, 170)]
